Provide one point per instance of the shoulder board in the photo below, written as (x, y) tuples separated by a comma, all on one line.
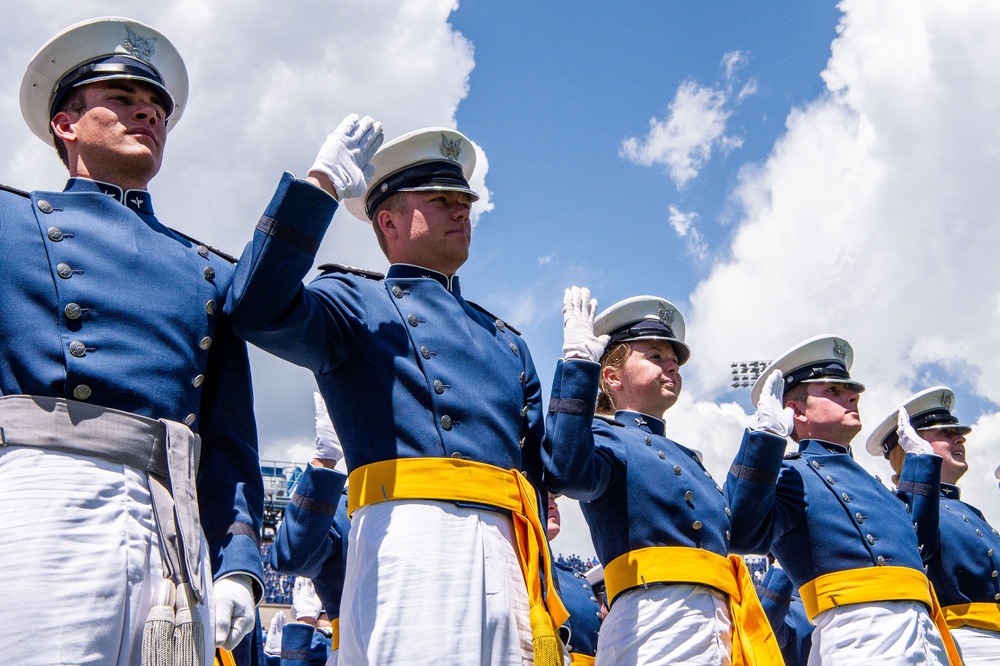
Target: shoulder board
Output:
[(214, 250), (794, 455), (610, 420), (493, 316), (14, 190), (354, 270)]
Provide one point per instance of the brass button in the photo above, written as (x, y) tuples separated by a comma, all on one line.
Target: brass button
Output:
[(499, 324), (858, 517), (846, 498), (689, 496), (73, 311), (209, 273), (210, 306), (677, 470), (990, 552), (649, 441), (44, 206), (829, 479), (77, 348), (438, 386), (446, 422), (64, 271), (979, 532), (205, 342), (965, 518), (524, 377), (522, 441), (696, 524), (881, 560), (513, 348), (424, 351), (82, 392), (189, 420), (870, 538), (662, 455), (198, 381), (996, 597), (412, 319), (729, 512), (55, 234), (815, 464), (397, 291), (994, 574), (727, 535), (524, 411), (203, 250)]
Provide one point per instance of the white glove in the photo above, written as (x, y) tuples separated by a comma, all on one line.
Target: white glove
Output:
[(579, 312), (771, 416), (305, 603), (234, 610), (272, 645), (909, 440), (345, 155), (328, 446)]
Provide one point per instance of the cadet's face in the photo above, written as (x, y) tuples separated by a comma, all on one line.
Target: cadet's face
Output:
[(433, 232), (553, 525), (649, 381), (830, 413), (121, 135), (950, 445)]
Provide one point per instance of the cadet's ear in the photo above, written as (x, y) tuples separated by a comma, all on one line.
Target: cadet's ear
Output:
[(62, 125), (386, 223), (611, 377)]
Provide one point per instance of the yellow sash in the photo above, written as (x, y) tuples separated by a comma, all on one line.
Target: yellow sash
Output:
[(457, 480), (753, 639), (874, 584), (979, 615), (224, 658), (580, 659), (335, 634)]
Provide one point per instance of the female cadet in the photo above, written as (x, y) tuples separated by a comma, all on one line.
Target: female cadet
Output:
[(964, 569), (660, 524)]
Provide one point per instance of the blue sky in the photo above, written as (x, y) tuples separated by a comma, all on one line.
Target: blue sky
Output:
[(777, 170)]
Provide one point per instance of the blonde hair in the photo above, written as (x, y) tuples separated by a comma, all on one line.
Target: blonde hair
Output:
[(896, 457), (614, 357)]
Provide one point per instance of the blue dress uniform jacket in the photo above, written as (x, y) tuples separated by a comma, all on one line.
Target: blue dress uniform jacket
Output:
[(313, 536), (783, 607), (964, 568), (584, 611), (100, 302), (406, 365), (819, 511), (637, 488)]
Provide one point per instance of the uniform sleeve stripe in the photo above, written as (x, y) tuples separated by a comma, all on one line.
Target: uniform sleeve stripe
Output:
[(752, 474), (574, 406), (245, 530), (314, 505), (923, 489), (301, 655), (268, 225), (767, 593)]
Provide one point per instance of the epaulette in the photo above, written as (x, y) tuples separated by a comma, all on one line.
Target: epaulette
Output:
[(354, 270), (214, 250), (493, 316), (794, 455), (610, 420), (14, 190)]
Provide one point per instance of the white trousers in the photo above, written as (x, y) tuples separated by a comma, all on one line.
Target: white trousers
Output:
[(79, 560), (667, 624), (433, 583), (889, 633), (978, 647)]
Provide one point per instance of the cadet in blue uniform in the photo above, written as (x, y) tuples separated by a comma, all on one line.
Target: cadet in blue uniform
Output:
[(787, 616), (118, 370), (313, 536), (840, 535), (659, 522), (964, 568), (579, 634), (438, 406)]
